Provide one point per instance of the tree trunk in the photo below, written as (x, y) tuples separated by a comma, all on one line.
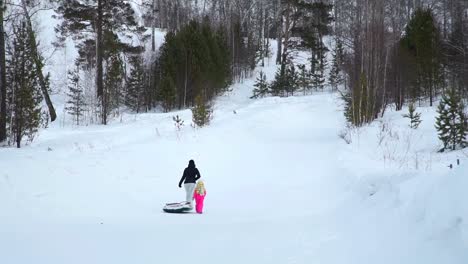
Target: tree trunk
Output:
[(284, 55), (279, 21), (3, 112), (153, 22), (99, 62), (38, 62)]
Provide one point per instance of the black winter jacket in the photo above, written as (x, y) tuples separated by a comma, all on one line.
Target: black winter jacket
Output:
[(191, 174)]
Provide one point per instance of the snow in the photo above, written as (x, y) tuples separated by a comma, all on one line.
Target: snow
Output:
[(283, 187)]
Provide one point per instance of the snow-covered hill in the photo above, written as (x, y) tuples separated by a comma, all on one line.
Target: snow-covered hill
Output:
[(283, 187), (286, 183)]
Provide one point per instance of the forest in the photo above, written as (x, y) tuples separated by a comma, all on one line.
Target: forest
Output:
[(377, 54)]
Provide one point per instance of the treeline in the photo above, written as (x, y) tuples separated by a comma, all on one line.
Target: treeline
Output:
[(24, 88), (200, 56), (400, 52)]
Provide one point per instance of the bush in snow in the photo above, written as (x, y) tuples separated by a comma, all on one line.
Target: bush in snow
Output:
[(451, 123), (415, 118), (201, 112)]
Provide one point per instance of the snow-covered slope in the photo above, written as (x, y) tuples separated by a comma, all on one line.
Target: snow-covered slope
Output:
[(282, 187)]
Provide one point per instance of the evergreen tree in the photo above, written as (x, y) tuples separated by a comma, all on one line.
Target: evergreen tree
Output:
[(167, 93), (451, 123), (196, 58), (135, 87), (107, 21), (415, 118), (335, 77), (113, 85), (292, 79), (318, 68), (303, 79), (279, 84), (201, 112), (284, 85), (422, 42), (24, 95), (348, 107), (76, 103), (261, 86), (316, 20)]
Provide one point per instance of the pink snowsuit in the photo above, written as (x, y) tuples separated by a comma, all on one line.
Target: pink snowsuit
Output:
[(199, 201)]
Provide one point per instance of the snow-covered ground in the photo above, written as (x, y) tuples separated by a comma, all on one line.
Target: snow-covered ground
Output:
[(283, 186)]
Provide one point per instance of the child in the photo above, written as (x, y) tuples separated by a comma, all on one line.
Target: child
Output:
[(199, 196)]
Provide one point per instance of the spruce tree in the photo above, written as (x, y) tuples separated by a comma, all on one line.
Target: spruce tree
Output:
[(335, 78), (167, 93), (303, 79), (277, 86), (108, 21), (348, 107), (285, 84), (318, 69), (451, 123), (201, 112), (422, 42), (113, 86), (292, 79), (24, 96), (76, 103), (261, 86), (135, 87), (415, 118)]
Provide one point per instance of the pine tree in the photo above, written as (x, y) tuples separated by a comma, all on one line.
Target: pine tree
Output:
[(292, 79), (110, 20), (76, 103), (415, 118), (335, 78), (422, 42), (277, 87), (318, 69), (24, 96), (303, 79), (113, 86), (316, 19), (201, 112), (285, 84), (135, 87), (167, 93), (451, 123), (261, 86), (348, 107)]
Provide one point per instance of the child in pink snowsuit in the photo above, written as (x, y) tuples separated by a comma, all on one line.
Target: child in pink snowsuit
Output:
[(199, 196)]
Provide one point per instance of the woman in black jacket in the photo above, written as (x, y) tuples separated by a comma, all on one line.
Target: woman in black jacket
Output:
[(189, 178)]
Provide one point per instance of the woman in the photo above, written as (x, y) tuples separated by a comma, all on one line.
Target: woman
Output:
[(189, 178)]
